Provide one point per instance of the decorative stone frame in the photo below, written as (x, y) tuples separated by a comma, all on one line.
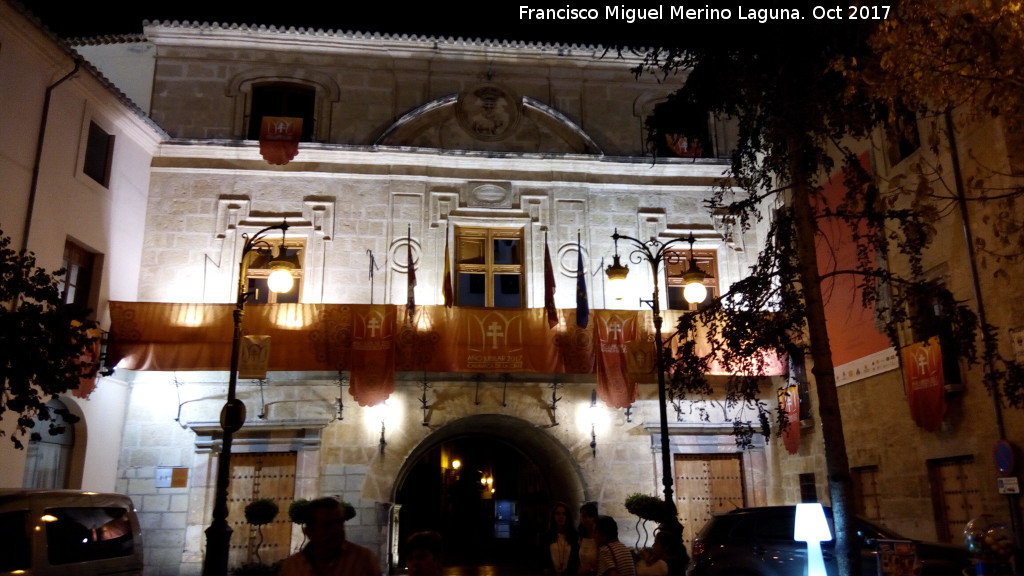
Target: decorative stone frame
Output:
[(327, 94)]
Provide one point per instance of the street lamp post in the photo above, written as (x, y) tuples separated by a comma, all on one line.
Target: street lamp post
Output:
[(654, 252), (232, 415)]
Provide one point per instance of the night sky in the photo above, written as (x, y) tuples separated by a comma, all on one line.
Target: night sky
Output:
[(495, 19)]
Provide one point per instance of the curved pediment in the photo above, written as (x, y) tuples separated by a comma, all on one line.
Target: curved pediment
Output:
[(489, 118)]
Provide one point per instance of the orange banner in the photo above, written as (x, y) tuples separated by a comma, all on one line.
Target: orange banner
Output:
[(926, 386), (375, 341)]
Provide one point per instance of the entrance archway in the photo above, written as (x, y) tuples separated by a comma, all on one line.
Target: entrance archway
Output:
[(529, 470)]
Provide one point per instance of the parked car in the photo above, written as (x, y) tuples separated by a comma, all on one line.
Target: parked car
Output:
[(68, 532), (759, 542)]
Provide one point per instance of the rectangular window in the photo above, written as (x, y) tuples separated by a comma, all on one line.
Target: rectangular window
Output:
[(930, 316), (78, 264), (99, 154), (677, 262), (86, 534), (798, 377), (866, 497), (808, 488), (282, 99), (258, 271), (17, 556), (956, 498), (489, 267), (902, 136)]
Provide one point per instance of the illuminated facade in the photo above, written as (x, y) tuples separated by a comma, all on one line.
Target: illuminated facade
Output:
[(491, 153), (480, 155)]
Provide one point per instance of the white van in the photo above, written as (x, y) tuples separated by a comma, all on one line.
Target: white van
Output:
[(68, 532)]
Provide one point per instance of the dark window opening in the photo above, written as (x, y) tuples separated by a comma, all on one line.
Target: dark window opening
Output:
[(14, 533), (86, 534), (808, 488), (929, 318), (682, 132), (903, 137), (99, 154), (281, 99), (798, 378)]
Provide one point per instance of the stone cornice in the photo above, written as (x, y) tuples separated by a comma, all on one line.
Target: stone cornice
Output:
[(191, 34), (327, 161)]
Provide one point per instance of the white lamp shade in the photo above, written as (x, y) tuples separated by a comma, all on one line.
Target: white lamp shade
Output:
[(810, 524), (616, 288), (280, 280), (695, 292)]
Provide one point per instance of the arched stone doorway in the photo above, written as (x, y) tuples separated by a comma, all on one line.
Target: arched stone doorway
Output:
[(529, 470)]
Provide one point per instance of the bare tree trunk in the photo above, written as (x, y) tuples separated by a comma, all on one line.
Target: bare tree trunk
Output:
[(831, 422)]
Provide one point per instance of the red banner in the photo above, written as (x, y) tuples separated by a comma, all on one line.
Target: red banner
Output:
[(372, 368), (926, 386), (616, 332), (279, 139), (789, 404)]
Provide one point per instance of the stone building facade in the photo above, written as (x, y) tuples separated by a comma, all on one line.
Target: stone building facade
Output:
[(411, 144), (414, 147)]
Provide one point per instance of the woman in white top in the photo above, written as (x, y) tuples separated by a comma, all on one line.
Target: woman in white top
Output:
[(588, 546)]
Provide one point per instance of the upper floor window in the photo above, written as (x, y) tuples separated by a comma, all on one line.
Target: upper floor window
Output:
[(931, 315), (677, 262), (282, 99), (258, 271), (902, 136), (99, 154), (682, 131), (76, 284), (489, 267)]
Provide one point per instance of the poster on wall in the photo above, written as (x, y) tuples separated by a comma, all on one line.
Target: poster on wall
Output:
[(897, 557)]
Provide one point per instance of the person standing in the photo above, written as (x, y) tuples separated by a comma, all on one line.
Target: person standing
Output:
[(587, 565), (613, 559), (560, 547), (327, 552)]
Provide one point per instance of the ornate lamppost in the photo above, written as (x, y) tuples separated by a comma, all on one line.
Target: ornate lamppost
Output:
[(232, 416), (655, 252)]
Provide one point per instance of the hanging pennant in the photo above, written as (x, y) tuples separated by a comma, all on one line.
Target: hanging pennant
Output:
[(279, 139)]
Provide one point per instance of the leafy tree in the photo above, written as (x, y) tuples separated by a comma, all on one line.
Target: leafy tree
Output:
[(45, 344), (259, 513), (942, 54), (957, 64), (800, 108), (646, 508)]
